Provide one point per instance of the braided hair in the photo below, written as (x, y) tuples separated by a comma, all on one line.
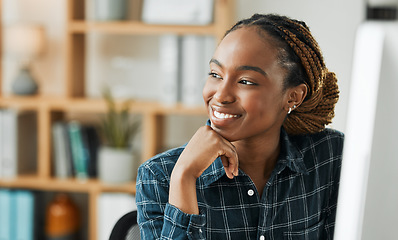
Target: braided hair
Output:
[(301, 56)]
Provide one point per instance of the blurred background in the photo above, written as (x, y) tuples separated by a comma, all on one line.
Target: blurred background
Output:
[(59, 55), (130, 62)]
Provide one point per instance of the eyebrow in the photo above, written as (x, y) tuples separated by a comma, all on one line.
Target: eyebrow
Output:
[(244, 67)]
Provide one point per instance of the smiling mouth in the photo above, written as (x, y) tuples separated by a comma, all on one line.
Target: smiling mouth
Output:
[(220, 115)]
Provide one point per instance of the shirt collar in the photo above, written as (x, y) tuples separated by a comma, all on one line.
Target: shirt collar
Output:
[(290, 156)]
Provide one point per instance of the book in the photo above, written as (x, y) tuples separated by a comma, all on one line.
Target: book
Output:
[(91, 144), (82, 142), (63, 163), (8, 143), (79, 153), (111, 207), (22, 223), (27, 142), (169, 58), (40, 207), (1, 145), (179, 12), (5, 214), (196, 54), (18, 142), (16, 218)]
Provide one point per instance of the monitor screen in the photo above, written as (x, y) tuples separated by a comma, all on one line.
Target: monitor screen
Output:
[(368, 196)]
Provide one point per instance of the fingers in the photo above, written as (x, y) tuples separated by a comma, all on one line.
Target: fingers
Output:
[(230, 163), (203, 148), (229, 156)]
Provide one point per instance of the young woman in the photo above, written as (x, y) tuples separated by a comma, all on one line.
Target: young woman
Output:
[(264, 166)]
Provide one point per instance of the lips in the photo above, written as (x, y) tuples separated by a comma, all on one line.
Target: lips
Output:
[(222, 117)]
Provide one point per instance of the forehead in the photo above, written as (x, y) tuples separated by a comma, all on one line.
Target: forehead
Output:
[(247, 46)]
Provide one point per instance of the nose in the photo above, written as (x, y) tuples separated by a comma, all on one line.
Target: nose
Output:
[(225, 92)]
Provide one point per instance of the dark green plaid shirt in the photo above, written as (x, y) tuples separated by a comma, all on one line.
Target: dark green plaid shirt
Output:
[(298, 201)]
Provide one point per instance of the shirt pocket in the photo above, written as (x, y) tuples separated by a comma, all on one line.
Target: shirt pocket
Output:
[(312, 233)]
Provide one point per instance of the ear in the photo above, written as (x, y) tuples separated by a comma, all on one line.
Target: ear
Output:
[(295, 96)]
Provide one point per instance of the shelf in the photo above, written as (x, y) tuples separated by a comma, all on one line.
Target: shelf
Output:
[(95, 105), (22, 103), (136, 27), (67, 185)]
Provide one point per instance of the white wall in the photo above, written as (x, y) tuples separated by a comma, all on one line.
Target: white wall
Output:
[(333, 24)]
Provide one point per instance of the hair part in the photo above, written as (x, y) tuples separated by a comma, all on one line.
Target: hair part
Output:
[(300, 55)]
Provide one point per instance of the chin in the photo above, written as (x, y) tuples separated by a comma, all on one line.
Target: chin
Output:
[(228, 135)]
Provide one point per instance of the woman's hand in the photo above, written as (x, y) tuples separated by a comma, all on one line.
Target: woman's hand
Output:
[(201, 151), (203, 148)]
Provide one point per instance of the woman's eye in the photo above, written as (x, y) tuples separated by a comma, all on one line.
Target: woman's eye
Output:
[(214, 75), (246, 82)]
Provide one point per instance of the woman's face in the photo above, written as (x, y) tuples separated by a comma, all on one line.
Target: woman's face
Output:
[(244, 91)]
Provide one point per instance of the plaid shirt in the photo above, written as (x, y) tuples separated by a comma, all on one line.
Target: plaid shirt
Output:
[(298, 201)]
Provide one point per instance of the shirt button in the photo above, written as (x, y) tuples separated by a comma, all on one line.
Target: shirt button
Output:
[(262, 237), (250, 192), (200, 230)]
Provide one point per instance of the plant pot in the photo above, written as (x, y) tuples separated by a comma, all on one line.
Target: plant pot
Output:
[(116, 165), (110, 10)]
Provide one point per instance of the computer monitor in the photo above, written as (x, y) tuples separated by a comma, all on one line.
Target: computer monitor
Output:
[(368, 196)]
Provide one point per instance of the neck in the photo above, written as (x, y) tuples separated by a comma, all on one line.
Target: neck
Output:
[(257, 157)]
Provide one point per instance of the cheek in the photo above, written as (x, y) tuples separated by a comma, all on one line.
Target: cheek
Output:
[(255, 101), (208, 91), (262, 104)]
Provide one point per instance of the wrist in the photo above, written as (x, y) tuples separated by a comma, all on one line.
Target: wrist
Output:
[(182, 193), (182, 176)]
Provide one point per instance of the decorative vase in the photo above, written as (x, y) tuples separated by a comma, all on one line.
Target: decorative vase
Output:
[(62, 218), (110, 10), (24, 84), (115, 165)]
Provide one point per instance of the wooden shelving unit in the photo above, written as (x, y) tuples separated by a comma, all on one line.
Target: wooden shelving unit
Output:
[(55, 108)]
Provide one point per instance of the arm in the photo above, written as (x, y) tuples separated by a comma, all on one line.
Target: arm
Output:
[(204, 147), (156, 217), (151, 198), (172, 213)]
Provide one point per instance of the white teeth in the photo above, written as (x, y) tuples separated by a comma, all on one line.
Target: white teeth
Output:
[(223, 115)]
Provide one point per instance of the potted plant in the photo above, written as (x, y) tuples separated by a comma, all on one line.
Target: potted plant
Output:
[(116, 163)]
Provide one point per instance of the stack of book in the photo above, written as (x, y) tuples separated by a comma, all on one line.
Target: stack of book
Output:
[(17, 210), (184, 66), (75, 148), (18, 143)]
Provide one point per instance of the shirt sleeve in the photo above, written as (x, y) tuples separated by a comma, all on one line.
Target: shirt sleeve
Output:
[(157, 218)]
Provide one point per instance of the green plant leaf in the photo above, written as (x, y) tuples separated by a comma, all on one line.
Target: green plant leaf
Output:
[(117, 126)]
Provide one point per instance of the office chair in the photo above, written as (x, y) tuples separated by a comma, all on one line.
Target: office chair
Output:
[(126, 228)]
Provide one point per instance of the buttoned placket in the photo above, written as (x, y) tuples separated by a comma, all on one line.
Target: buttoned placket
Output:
[(264, 212), (253, 193)]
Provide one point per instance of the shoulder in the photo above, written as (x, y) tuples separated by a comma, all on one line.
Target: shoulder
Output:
[(327, 138), (329, 133), (324, 148), (161, 165)]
